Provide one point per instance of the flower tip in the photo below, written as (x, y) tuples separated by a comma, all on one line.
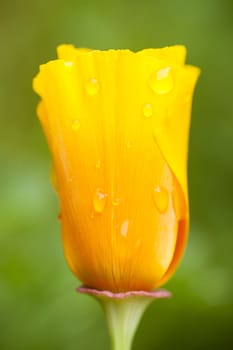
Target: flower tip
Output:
[(193, 73), (36, 85), (180, 52), (68, 52), (65, 50), (172, 55)]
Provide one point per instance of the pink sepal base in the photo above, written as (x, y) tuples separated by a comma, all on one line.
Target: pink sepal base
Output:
[(158, 293)]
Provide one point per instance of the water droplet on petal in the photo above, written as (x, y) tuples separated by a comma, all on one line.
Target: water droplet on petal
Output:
[(70, 179), (160, 197), (147, 110), (116, 202), (161, 82), (129, 144), (75, 124), (92, 86), (99, 201), (124, 228), (92, 215), (98, 164), (68, 63)]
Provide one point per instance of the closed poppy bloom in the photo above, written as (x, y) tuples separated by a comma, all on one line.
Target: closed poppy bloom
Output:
[(117, 125)]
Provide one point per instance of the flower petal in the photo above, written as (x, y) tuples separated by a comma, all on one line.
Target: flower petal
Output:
[(114, 121), (174, 55)]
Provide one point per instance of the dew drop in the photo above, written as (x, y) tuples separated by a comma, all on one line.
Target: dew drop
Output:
[(92, 86), (160, 198), (99, 201), (98, 164), (161, 82), (147, 110), (129, 144), (116, 202), (92, 215), (124, 228), (68, 63), (75, 124)]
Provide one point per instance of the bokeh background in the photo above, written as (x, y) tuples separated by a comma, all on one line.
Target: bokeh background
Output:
[(39, 308)]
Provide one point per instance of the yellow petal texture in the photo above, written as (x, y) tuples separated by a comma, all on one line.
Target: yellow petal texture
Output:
[(117, 125)]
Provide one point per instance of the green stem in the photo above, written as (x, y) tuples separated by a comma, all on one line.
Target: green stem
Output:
[(124, 312), (123, 316)]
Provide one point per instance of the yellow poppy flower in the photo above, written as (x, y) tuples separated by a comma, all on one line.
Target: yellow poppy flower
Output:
[(117, 125)]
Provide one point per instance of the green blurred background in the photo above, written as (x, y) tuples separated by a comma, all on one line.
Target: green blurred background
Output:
[(39, 308)]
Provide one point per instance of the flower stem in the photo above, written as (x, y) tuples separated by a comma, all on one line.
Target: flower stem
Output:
[(123, 317), (124, 311)]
